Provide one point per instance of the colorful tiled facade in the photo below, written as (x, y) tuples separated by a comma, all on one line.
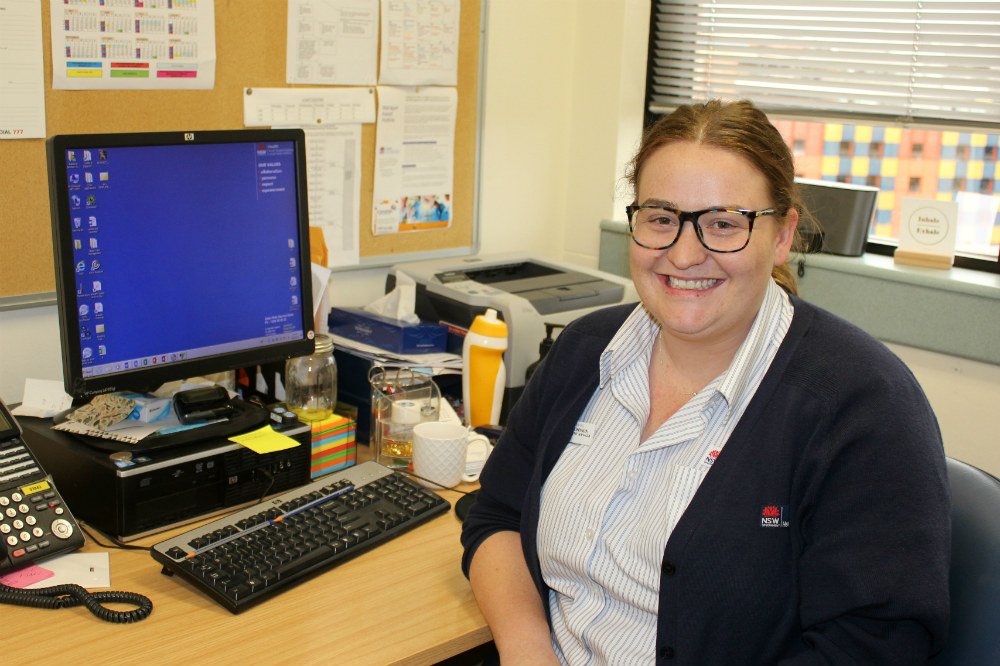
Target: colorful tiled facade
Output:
[(922, 163)]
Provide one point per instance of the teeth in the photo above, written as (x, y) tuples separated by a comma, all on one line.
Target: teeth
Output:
[(677, 283)]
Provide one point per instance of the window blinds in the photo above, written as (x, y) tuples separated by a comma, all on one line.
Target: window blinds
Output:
[(897, 60)]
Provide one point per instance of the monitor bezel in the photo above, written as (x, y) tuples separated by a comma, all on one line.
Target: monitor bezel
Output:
[(148, 379)]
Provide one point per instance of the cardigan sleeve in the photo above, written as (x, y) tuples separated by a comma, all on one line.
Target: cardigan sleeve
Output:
[(538, 428)]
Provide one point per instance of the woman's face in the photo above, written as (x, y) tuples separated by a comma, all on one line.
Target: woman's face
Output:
[(696, 294)]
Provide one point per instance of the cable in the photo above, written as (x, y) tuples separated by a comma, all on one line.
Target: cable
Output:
[(68, 596), (116, 543)]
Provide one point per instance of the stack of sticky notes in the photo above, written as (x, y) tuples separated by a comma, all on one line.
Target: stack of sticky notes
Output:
[(333, 445)]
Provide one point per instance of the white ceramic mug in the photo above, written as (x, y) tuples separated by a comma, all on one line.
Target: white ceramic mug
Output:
[(440, 451)]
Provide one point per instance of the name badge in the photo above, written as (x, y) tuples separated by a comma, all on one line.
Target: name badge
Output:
[(583, 433)]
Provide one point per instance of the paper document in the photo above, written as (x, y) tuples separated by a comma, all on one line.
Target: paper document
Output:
[(22, 78), (133, 45), (332, 42), (419, 43), (307, 107), (333, 159), (414, 159)]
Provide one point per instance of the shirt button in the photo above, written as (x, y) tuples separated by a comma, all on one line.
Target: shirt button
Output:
[(666, 652), (668, 568), (589, 533)]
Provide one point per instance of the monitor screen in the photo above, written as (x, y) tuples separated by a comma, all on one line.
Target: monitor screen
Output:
[(178, 254)]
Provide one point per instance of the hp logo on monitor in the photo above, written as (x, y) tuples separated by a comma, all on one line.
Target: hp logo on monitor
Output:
[(189, 136)]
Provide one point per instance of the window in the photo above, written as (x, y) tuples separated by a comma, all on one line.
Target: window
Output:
[(902, 94)]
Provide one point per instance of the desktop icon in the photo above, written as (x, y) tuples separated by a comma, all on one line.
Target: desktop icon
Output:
[(292, 263), (92, 221), (81, 266), (74, 201), (95, 266), (295, 300), (102, 350), (99, 329), (104, 176), (77, 222), (77, 244), (291, 243), (84, 310), (86, 156), (91, 200), (97, 286), (74, 179), (71, 156), (102, 155), (87, 352), (93, 243), (98, 308), (88, 177), (293, 281)]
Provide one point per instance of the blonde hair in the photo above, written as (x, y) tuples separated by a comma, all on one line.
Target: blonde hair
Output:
[(743, 129)]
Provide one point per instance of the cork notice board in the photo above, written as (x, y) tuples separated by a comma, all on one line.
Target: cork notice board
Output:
[(250, 46)]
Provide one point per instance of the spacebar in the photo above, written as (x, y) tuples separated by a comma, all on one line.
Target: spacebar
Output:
[(321, 554)]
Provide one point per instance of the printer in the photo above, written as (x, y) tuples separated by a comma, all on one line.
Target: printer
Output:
[(527, 292)]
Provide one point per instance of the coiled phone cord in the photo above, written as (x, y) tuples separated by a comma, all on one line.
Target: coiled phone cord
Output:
[(69, 595)]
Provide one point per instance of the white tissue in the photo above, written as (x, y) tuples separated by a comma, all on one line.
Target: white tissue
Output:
[(398, 304)]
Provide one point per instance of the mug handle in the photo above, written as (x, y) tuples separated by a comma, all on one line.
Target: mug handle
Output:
[(474, 439)]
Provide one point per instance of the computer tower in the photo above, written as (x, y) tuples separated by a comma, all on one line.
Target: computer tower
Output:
[(128, 496)]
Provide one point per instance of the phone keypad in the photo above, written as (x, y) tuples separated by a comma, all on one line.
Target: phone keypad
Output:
[(33, 520)]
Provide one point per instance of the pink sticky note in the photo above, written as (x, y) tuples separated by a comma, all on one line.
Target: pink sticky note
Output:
[(26, 576)]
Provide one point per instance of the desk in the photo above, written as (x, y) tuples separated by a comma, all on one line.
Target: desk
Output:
[(403, 602)]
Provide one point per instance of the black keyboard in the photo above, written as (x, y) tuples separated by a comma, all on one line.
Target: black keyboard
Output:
[(255, 553)]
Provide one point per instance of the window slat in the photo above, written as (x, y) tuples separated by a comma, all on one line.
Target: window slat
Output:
[(932, 61)]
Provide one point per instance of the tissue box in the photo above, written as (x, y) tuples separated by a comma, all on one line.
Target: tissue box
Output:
[(385, 333)]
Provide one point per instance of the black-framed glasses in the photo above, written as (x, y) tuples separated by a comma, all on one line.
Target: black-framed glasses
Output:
[(718, 229)]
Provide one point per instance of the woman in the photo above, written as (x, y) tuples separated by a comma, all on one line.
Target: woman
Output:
[(724, 474)]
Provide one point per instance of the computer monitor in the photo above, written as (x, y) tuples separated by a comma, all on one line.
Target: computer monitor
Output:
[(178, 254)]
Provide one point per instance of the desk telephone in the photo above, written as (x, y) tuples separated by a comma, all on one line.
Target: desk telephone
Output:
[(35, 523)]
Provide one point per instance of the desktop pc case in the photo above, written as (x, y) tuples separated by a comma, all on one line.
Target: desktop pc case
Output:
[(164, 488)]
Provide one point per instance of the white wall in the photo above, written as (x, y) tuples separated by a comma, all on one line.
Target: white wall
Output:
[(562, 111)]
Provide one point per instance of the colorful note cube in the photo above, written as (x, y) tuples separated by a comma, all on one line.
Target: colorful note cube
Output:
[(333, 445)]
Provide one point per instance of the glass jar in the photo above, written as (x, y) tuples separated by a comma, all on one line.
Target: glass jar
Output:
[(311, 382)]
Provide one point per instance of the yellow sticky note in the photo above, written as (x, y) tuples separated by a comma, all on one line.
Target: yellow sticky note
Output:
[(265, 440)]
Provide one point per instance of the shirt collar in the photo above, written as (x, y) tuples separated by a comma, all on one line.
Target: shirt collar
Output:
[(768, 329), (634, 340)]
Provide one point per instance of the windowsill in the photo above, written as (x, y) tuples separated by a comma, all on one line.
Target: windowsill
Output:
[(954, 311), (962, 280)]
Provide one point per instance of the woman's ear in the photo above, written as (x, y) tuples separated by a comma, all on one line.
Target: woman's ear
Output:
[(785, 236)]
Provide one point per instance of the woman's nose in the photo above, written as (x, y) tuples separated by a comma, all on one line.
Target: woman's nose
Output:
[(687, 250)]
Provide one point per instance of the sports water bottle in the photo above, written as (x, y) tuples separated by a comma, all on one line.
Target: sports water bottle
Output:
[(484, 374)]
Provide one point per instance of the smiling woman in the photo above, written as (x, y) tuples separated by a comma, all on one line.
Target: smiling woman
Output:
[(709, 476)]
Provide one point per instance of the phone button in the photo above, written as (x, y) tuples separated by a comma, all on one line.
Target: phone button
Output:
[(62, 528)]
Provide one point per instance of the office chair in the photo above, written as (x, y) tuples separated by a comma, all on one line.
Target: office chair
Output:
[(974, 637)]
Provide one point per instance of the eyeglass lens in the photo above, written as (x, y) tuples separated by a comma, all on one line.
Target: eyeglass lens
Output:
[(721, 230)]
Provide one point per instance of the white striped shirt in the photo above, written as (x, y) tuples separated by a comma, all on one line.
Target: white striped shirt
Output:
[(611, 501)]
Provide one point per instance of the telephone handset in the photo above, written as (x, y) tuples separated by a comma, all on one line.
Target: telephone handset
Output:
[(35, 523)]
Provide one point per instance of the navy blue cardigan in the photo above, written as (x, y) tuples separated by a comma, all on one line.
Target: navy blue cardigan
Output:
[(839, 438)]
